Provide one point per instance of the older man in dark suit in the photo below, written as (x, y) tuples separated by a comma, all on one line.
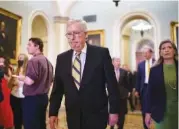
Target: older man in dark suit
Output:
[(81, 74), (123, 90)]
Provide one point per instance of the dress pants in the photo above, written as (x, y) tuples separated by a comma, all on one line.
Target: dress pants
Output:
[(34, 111), (131, 103), (122, 113), (16, 104), (143, 103)]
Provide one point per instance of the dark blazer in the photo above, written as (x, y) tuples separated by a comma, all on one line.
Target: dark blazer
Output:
[(123, 84), (156, 94), (141, 77), (124, 89), (86, 108)]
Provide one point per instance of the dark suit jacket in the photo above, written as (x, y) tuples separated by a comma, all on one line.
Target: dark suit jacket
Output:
[(123, 84), (141, 77), (86, 108), (156, 95), (124, 89)]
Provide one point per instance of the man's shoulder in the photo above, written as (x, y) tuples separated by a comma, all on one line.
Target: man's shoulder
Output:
[(142, 63), (97, 47), (64, 54), (36, 59), (123, 70), (156, 67), (97, 50)]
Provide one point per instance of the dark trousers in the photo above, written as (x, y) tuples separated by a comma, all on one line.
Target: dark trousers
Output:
[(1, 127), (143, 104), (34, 111), (131, 103), (122, 113), (16, 104)]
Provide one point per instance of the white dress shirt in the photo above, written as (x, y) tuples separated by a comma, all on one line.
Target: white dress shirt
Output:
[(17, 91), (82, 58), (146, 70)]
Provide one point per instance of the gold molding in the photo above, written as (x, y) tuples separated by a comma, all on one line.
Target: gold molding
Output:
[(96, 32), (18, 31), (173, 26)]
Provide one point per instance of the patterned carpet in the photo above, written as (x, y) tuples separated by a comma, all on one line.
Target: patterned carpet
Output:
[(133, 120)]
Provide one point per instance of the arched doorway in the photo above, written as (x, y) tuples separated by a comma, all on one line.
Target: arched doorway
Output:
[(39, 29), (125, 37), (140, 45)]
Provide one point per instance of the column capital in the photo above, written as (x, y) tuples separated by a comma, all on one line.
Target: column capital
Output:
[(60, 19)]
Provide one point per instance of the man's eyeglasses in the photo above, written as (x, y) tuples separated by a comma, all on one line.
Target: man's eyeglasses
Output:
[(71, 34)]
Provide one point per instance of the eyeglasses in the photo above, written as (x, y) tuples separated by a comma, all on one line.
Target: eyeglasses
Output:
[(71, 34)]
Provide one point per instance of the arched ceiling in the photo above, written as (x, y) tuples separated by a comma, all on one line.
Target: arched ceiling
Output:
[(127, 28), (64, 6)]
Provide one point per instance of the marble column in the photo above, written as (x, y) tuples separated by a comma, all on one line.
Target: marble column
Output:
[(60, 38), (125, 49), (60, 31)]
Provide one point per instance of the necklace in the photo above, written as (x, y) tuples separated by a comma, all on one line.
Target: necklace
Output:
[(172, 84)]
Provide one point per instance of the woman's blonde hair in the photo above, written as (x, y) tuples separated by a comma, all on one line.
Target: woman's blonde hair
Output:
[(24, 66), (160, 60), (13, 81)]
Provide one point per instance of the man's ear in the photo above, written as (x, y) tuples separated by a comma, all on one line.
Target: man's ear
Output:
[(37, 46), (86, 36)]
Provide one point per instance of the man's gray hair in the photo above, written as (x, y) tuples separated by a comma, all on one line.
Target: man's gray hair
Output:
[(82, 23), (113, 58), (147, 48)]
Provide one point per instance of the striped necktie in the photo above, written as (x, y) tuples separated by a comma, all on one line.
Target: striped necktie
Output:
[(76, 71)]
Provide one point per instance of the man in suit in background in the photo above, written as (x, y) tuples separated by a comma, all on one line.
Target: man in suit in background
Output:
[(131, 86), (81, 74), (123, 90), (142, 79)]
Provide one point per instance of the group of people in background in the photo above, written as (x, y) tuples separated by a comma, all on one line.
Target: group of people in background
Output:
[(82, 75), (25, 89)]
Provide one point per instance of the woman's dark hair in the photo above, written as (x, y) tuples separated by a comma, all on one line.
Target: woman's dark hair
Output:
[(160, 60), (37, 41), (6, 65)]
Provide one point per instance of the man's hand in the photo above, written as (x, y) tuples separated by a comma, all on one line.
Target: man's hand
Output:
[(20, 77), (129, 94), (133, 90), (136, 94), (148, 120), (53, 120), (113, 119)]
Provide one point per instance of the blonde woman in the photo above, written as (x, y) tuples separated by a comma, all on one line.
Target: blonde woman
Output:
[(16, 91)]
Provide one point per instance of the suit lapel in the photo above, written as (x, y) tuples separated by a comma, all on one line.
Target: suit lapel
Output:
[(143, 66), (88, 68), (120, 75), (69, 62)]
